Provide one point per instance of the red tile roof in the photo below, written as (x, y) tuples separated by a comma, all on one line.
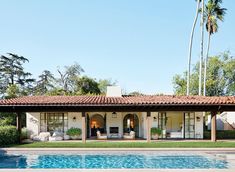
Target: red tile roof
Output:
[(125, 100)]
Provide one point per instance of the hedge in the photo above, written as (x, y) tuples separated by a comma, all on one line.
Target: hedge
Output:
[(221, 134), (8, 135)]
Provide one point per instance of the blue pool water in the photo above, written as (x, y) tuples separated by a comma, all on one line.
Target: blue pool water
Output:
[(108, 161)]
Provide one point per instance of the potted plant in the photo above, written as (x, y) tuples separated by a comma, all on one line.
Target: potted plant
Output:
[(74, 133), (156, 132)]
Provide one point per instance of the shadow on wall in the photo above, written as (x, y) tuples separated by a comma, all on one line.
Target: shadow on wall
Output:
[(219, 124)]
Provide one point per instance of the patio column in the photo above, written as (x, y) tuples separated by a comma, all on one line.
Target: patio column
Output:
[(83, 127), (148, 127), (213, 126), (18, 124)]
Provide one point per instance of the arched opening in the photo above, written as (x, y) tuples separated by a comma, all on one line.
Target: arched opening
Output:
[(97, 122), (131, 123)]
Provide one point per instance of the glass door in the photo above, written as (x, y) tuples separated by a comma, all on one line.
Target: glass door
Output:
[(189, 125), (162, 123)]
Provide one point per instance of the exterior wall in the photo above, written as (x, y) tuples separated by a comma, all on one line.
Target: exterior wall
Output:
[(118, 122), (77, 123), (224, 121), (33, 123), (144, 127), (220, 125), (154, 119), (114, 122), (199, 125), (174, 121), (231, 118)]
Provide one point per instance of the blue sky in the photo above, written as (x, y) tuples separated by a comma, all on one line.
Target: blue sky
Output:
[(140, 43)]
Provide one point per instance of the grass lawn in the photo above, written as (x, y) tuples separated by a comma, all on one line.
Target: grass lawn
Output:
[(166, 144)]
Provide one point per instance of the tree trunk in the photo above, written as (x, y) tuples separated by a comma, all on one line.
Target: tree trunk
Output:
[(201, 54), (190, 46), (206, 59)]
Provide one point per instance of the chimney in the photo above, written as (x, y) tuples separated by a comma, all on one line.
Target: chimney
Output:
[(114, 91)]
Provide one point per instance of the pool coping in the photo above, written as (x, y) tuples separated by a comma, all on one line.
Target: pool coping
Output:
[(116, 170), (117, 149)]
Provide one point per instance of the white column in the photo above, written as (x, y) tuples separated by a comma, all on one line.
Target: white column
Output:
[(213, 126), (83, 127), (148, 127)]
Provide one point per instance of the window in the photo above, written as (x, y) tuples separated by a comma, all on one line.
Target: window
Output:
[(53, 122)]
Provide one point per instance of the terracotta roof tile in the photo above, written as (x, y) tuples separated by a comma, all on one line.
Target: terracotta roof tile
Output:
[(125, 100)]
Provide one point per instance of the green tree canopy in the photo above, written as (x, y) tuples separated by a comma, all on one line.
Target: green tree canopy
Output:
[(103, 83), (45, 83), (12, 72), (86, 85), (220, 77)]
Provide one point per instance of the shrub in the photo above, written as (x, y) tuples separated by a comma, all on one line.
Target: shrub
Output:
[(221, 134), (74, 131), (24, 133), (8, 135), (155, 130), (6, 121)]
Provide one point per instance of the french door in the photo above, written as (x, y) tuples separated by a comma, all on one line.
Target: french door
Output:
[(189, 125), (162, 119)]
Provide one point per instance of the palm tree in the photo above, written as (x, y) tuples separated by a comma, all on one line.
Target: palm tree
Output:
[(202, 48), (213, 13), (190, 45)]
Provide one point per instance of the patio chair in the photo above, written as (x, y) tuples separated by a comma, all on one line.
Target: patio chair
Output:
[(131, 135), (101, 136), (43, 136), (57, 136)]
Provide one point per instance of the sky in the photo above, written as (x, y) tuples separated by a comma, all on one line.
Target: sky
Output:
[(141, 44)]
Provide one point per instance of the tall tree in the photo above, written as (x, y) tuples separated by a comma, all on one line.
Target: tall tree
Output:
[(201, 47), (213, 13), (45, 82), (69, 77), (12, 72), (190, 46)]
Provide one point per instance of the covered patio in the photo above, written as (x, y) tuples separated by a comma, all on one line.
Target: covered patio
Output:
[(145, 104)]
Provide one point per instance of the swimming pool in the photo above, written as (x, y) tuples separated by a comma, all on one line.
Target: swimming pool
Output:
[(119, 160)]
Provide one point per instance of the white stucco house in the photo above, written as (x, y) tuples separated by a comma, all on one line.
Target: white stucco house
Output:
[(174, 124), (116, 116)]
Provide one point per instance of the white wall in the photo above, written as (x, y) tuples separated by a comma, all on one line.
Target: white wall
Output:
[(33, 123), (230, 118), (153, 121), (199, 125), (174, 121), (77, 123), (143, 123), (114, 122)]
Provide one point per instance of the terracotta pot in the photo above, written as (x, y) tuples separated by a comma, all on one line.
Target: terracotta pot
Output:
[(75, 137), (155, 136)]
